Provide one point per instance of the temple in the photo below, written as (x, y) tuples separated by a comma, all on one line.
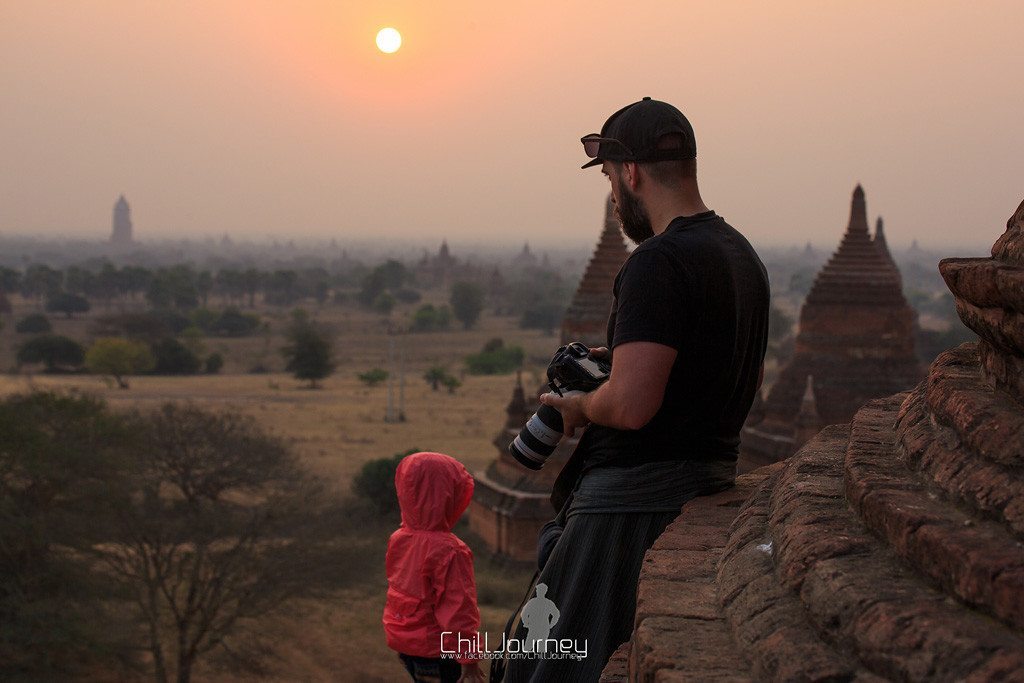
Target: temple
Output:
[(586, 319), (511, 503), (121, 232), (855, 342), (887, 548)]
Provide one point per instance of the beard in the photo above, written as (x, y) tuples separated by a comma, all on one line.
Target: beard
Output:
[(632, 215)]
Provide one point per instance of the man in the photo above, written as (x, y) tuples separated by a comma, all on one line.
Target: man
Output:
[(688, 333)]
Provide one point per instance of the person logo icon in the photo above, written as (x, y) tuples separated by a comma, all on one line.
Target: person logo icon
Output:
[(539, 615)]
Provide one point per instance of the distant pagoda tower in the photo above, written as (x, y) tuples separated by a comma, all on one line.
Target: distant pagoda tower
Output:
[(525, 258), (855, 339), (121, 234), (586, 319)]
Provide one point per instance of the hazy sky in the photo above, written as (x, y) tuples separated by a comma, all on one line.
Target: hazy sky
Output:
[(257, 118)]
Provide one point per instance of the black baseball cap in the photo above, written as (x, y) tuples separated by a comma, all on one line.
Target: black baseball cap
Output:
[(632, 134)]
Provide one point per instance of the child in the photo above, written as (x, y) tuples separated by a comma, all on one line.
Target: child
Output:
[(430, 572)]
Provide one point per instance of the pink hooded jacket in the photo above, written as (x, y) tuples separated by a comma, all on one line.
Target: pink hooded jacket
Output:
[(430, 571)]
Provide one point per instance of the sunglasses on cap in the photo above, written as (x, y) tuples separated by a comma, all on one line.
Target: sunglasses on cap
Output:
[(592, 146)]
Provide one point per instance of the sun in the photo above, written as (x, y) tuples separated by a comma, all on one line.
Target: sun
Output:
[(389, 40)]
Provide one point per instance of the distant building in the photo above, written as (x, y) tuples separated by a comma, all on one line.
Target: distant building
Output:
[(855, 343), (524, 259), (121, 234), (439, 270)]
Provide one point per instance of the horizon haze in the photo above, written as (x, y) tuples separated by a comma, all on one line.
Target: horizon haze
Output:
[(261, 119)]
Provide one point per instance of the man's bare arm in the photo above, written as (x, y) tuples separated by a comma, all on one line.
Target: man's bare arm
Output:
[(631, 396)]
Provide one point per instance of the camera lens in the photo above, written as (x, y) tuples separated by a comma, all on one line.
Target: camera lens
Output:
[(538, 439)]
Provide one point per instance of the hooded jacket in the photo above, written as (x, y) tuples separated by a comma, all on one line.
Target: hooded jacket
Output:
[(431, 588)]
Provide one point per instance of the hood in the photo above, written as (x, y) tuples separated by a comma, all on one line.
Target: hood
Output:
[(433, 491)]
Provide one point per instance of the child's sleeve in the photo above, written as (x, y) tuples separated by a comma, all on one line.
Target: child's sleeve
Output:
[(456, 610)]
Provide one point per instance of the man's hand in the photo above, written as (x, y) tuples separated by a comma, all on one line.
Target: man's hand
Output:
[(571, 408)]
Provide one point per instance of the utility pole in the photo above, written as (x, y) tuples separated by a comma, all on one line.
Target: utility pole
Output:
[(389, 414), (401, 382)]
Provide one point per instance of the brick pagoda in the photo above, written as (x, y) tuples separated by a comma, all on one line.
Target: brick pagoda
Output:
[(855, 340), (586, 319)]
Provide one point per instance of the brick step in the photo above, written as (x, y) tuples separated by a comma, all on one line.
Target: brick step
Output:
[(977, 561), (680, 631), (860, 600), (767, 618)]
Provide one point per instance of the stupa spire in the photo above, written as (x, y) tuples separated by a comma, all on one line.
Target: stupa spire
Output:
[(880, 242), (858, 213)]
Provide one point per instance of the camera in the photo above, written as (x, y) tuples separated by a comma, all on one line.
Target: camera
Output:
[(571, 371)]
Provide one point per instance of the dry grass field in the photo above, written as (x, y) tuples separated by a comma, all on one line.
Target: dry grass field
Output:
[(335, 429)]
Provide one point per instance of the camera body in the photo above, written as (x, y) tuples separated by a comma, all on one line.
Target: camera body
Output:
[(571, 371)]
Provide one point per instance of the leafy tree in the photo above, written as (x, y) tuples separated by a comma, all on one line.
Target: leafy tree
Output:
[(779, 324), (375, 482), (10, 279), (40, 280), (427, 318), (213, 364), (495, 359), (174, 358), (173, 287), (58, 454), (280, 288), (451, 383), (34, 323), (373, 377), (309, 354), (388, 276), (467, 302), (545, 316), (118, 358), (56, 352), (384, 303), (67, 303), (435, 377)]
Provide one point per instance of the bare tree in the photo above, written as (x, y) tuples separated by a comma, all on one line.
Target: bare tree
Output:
[(216, 529)]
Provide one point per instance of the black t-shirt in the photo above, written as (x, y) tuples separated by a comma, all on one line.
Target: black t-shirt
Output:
[(700, 288)]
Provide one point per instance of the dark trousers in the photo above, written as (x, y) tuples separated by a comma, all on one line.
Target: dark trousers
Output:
[(591, 576), (426, 669)]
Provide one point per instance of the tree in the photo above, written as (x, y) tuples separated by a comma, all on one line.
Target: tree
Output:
[(427, 318), (57, 455), (436, 376), (56, 352), (67, 303), (118, 358), (451, 383), (373, 377), (218, 527), (309, 354), (495, 359), (34, 323), (375, 482), (545, 316), (214, 362), (174, 358), (779, 324), (467, 302)]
